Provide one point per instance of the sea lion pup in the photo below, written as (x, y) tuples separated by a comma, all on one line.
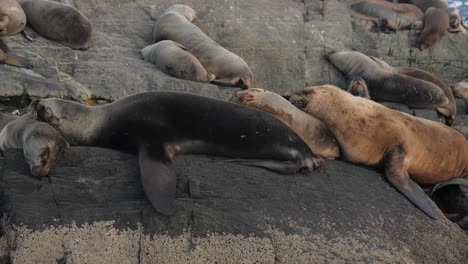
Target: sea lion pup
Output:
[(436, 23), (448, 110), (460, 89), (314, 133), (161, 125), (42, 145), (58, 22), (371, 134), (174, 59), (229, 69), (386, 85), (382, 16), (358, 87), (12, 18)]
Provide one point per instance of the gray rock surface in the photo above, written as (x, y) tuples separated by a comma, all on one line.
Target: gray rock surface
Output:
[(225, 212)]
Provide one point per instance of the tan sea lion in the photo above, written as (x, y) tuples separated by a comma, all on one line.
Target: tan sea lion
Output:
[(436, 22), (59, 22), (314, 133), (382, 16), (460, 89), (411, 149), (448, 110), (174, 59), (175, 24), (42, 145), (358, 87), (12, 18), (386, 85)]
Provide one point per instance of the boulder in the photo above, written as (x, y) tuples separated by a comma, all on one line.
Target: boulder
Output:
[(92, 209)]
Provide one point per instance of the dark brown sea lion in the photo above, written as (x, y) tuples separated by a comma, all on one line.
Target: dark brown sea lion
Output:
[(161, 125), (175, 24), (174, 59), (42, 145), (411, 149), (358, 87), (448, 110), (59, 22), (386, 85), (314, 133), (436, 23)]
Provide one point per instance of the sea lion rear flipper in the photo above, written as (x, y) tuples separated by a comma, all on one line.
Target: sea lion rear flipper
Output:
[(231, 82), (399, 178), (283, 167), (456, 181), (14, 60), (158, 180)]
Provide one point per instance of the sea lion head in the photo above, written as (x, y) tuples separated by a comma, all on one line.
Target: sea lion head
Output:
[(358, 87), (67, 117), (314, 100), (455, 19), (42, 147)]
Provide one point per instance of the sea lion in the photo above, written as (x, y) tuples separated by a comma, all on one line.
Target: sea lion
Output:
[(174, 59), (407, 10), (460, 89), (358, 87), (382, 16), (371, 134), (12, 18), (161, 125), (229, 69), (448, 110), (314, 133), (386, 85), (42, 145), (425, 4), (455, 21), (59, 22), (436, 22)]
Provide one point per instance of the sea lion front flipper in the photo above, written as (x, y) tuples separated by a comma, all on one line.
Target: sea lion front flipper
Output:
[(158, 179), (14, 60), (456, 181), (231, 82), (283, 167), (396, 173)]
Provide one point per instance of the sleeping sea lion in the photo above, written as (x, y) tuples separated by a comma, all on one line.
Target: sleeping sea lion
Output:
[(411, 149), (42, 145), (161, 125)]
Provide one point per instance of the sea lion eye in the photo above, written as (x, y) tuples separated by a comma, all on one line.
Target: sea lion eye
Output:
[(45, 154), (43, 163)]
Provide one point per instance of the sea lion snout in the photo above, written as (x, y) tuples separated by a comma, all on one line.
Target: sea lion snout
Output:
[(299, 100), (39, 171)]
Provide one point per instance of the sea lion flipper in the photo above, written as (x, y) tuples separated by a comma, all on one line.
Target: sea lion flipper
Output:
[(399, 178), (17, 61), (456, 181), (283, 167), (158, 180), (231, 82)]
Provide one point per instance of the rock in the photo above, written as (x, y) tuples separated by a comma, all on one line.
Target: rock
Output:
[(92, 209), (283, 42)]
